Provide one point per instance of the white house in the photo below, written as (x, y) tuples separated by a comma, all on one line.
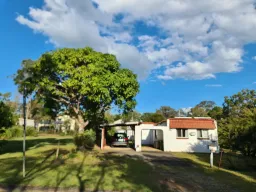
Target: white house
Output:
[(61, 119), (179, 134)]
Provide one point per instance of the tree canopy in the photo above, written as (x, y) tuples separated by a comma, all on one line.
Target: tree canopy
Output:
[(202, 109), (237, 128), (152, 117), (83, 82), (167, 112)]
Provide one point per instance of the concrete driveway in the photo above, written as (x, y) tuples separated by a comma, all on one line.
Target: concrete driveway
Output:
[(150, 155)]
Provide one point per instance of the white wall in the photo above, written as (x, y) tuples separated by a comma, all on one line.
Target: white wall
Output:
[(147, 137), (174, 144), (29, 122), (63, 118)]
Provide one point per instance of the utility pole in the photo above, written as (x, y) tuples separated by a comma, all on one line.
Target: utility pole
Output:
[(24, 132)]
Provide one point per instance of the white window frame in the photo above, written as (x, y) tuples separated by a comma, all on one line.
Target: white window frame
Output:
[(201, 134), (183, 134)]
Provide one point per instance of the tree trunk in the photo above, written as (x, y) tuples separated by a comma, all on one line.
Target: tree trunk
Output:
[(81, 123)]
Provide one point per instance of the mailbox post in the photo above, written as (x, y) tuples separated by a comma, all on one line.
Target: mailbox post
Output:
[(212, 148)]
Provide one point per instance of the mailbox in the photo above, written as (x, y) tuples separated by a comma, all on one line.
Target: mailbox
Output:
[(213, 148)]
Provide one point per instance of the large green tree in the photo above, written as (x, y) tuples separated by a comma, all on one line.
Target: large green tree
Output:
[(237, 129), (167, 112), (85, 83)]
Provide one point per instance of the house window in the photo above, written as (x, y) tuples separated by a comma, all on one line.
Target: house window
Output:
[(182, 133), (202, 133)]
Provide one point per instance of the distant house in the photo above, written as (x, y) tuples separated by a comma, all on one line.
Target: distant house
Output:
[(179, 134), (29, 122), (60, 122)]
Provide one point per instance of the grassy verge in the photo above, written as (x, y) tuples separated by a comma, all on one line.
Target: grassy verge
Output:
[(83, 170), (244, 180)]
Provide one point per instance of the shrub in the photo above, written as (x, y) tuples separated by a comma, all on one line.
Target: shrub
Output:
[(31, 131), (85, 140), (71, 132), (17, 131), (62, 133)]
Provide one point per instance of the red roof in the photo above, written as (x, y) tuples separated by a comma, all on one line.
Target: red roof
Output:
[(191, 123)]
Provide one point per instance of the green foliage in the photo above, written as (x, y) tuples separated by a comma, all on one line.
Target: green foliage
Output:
[(216, 113), (167, 112), (206, 105), (62, 133), (7, 117), (17, 131), (198, 112), (109, 118), (131, 116), (83, 81), (202, 109), (152, 117), (37, 110), (111, 131), (71, 132), (117, 116), (85, 140), (31, 131), (237, 129)]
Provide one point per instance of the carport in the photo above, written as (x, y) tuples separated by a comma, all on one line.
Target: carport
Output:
[(105, 127)]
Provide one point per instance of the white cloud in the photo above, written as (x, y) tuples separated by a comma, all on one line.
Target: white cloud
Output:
[(76, 24), (213, 85), (254, 57), (203, 35), (186, 109), (164, 77), (254, 82)]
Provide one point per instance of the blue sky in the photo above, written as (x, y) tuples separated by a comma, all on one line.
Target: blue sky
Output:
[(183, 52)]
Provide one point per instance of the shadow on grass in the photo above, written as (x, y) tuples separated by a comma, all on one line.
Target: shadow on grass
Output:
[(110, 172), (94, 171), (240, 177), (12, 146)]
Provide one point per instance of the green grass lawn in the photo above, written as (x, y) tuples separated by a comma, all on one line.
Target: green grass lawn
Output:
[(90, 170), (242, 180), (95, 170)]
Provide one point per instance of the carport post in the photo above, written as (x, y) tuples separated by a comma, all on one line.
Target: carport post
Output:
[(102, 138)]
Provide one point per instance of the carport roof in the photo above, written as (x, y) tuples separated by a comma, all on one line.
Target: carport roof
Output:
[(190, 123), (121, 124)]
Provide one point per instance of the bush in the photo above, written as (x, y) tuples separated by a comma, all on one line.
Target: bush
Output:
[(71, 132), (62, 133), (31, 131), (239, 162), (17, 131), (85, 140)]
